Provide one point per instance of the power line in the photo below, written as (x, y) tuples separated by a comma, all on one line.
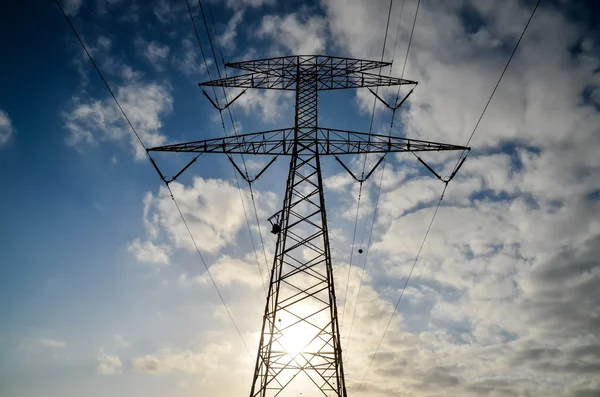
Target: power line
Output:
[(150, 159), (233, 117), (208, 272), (101, 75), (362, 275), (387, 25), (225, 132), (499, 80), (412, 31), (405, 285), (444, 191)]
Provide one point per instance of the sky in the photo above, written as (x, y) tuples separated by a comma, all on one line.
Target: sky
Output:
[(103, 293)]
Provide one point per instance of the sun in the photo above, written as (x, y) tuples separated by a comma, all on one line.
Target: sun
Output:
[(300, 336), (297, 338)]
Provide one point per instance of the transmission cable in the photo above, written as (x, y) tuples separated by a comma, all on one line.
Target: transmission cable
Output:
[(387, 25), (232, 120), (442, 196), (499, 80), (405, 285), (225, 132), (150, 159), (384, 164), (233, 117)]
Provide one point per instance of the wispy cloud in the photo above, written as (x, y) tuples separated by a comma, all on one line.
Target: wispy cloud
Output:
[(154, 52), (109, 365), (295, 33), (44, 343), (94, 121), (211, 207), (148, 252), (6, 128), (72, 7)]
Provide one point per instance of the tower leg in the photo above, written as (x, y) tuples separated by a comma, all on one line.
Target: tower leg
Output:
[(300, 332)]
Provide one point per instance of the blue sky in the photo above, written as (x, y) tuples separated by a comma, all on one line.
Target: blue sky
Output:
[(103, 295)]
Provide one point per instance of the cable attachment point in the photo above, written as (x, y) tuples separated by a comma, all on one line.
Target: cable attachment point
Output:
[(397, 105), (456, 169), (446, 180), (362, 178), (165, 180), (245, 174), (216, 105)]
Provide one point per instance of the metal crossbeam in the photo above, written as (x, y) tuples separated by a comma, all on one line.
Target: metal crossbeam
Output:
[(300, 332), (329, 142)]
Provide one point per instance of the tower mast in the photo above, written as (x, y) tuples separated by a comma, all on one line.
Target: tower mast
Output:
[(300, 330)]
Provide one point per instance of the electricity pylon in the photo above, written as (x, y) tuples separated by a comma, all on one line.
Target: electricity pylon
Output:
[(300, 330)]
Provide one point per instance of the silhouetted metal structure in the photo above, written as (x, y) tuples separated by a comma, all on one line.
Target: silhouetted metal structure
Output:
[(300, 330)]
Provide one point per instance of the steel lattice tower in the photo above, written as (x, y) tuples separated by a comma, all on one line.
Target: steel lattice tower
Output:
[(300, 330)]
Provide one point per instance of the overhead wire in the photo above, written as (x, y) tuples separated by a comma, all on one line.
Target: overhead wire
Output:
[(233, 117), (437, 207), (442, 196), (499, 80), (387, 26), (231, 114), (112, 94), (264, 286), (150, 159), (362, 275)]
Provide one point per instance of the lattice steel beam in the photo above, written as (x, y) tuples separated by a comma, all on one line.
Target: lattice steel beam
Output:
[(300, 331)]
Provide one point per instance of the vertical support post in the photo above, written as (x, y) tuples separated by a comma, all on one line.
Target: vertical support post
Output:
[(300, 332)]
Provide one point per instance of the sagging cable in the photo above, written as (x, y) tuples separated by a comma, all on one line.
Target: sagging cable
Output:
[(165, 180), (397, 105), (220, 109), (404, 100), (380, 98), (363, 177), (245, 176)]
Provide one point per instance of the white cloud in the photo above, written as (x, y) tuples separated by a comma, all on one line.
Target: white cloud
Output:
[(98, 121), (271, 104), (6, 128), (52, 343), (227, 38), (211, 208), (109, 365), (238, 4), (190, 63), (504, 297), (154, 52), (38, 344), (184, 361), (72, 7), (502, 276), (148, 252), (305, 37), (168, 11), (121, 343), (228, 271)]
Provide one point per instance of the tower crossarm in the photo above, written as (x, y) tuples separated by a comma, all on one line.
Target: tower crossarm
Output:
[(328, 142), (321, 61), (285, 79)]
